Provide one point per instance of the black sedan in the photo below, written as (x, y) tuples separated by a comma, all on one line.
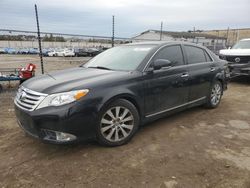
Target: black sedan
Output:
[(93, 52), (117, 91), (81, 52)]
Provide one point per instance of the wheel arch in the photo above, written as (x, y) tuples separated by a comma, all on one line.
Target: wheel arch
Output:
[(126, 96), (220, 77)]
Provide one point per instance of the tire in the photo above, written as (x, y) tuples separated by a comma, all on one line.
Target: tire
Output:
[(112, 130), (215, 95)]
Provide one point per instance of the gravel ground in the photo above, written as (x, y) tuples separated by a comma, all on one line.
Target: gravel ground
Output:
[(195, 148)]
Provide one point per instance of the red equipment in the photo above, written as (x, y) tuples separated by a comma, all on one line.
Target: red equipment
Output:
[(27, 72)]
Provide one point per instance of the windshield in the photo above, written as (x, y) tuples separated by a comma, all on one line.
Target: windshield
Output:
[(125, 58), (245, 44)]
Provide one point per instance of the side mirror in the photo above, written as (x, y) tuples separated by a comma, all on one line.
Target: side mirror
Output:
[(162, 63)]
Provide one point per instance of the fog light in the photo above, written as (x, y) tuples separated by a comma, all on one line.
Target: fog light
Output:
[(64, 136), (57, 136)]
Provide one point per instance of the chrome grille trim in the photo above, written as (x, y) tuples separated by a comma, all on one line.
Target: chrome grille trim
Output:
[(31, 100)]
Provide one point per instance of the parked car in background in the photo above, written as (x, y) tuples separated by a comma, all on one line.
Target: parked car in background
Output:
[(238, 57), (56, 51), (45, 52), (23, 51), (52, 53), (65, 53), (33, 51), (11, 50), (81, 52), (110, 96), (104, 48), (93, 52), (2, 51)]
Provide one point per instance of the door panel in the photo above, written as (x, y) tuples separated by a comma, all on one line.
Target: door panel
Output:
[(200, 74), (165, 89), (199, 79), (168, 87)]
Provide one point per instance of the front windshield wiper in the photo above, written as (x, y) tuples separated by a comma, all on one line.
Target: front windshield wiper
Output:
[(100, 67)]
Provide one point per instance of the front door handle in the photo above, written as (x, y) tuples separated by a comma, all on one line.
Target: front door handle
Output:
[(212, 69), (184, 75)]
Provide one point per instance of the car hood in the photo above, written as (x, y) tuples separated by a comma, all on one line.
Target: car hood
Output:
[(235, 52), (72, 79)]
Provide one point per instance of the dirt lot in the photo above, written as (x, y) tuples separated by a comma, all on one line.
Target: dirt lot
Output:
[(196, 148)]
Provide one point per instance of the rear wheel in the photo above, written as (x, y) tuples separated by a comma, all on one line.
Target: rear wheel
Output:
[(118, 122), (215, 95)]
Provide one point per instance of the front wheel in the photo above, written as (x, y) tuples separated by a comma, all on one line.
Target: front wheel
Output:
[(118, 122), (215, 95)]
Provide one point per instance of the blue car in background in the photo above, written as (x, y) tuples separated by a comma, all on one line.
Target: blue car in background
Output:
[(10, 50), (33, 51), (45, 51)]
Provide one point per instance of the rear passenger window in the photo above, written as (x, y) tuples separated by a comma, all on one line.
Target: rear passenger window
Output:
[(195, 55), (171, 53)]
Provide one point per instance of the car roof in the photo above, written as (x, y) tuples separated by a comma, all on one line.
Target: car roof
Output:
[(162, 43)]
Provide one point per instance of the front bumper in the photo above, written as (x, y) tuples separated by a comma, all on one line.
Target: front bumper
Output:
[(237, 69), (51, 123)]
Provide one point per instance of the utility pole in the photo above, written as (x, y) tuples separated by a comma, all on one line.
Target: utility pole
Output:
[(194, 35), (161, 31), (235, 36), (227, 42), (113, 30), (217, 41), (238, 35), (39, 39)]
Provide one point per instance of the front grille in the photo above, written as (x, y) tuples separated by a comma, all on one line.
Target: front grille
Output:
[(28, 99), (241, 59)]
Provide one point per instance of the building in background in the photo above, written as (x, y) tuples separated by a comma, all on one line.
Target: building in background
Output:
[(213, 42), (232, 35)]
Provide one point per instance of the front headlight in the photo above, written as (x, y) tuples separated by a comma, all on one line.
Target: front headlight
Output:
[(60, 99)]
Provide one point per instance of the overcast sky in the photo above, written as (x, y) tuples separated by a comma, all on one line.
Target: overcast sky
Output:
[(93, 17)]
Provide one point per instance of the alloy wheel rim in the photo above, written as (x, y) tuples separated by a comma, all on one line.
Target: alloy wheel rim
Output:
[(117, 124), (216, 94)]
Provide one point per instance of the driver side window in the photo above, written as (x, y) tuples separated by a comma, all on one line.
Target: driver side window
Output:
[(171, 53)]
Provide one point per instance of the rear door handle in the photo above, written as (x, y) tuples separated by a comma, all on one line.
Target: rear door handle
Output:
[(212, 69), (184, 75)]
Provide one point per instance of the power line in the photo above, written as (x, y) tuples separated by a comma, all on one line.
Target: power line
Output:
[(73, 35), (62, 34)]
